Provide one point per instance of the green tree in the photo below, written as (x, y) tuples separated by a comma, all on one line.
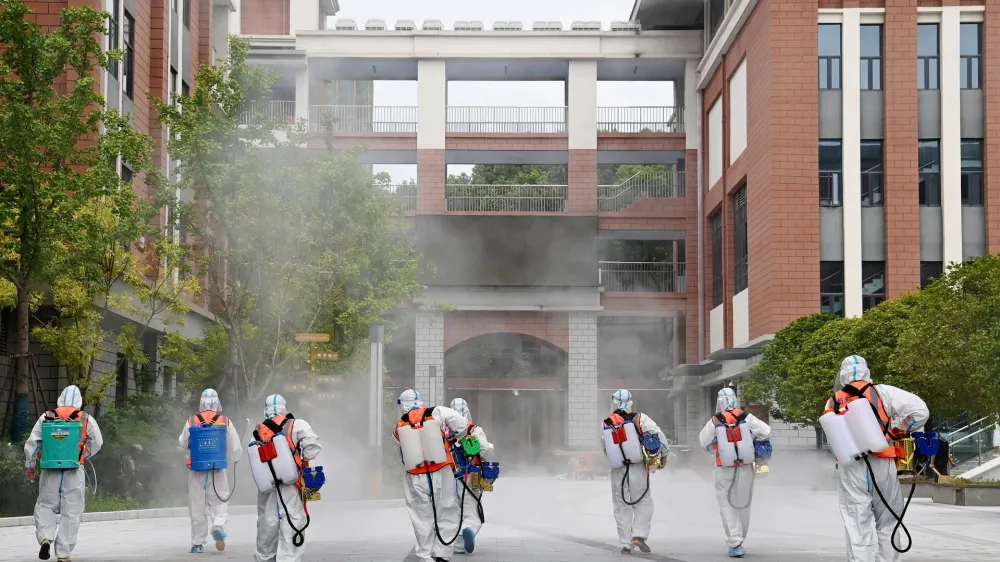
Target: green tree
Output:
[(62, 202), (296, 240), (813, 371)]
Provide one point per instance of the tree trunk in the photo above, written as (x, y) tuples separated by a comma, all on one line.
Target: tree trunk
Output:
[(22, 415)]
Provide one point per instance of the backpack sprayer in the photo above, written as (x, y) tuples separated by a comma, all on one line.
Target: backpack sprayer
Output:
[(481, 475), (736, 446), (855, 433), (209, 446)]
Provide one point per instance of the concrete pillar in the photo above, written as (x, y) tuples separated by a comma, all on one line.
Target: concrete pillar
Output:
[(302, 94), (951, 134), (581, 102), (583, 425), (304, 16), (428, 376), (851, 172), (697, 416), (692, 121), (432, 104)]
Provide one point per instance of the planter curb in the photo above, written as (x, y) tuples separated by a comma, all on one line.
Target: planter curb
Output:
[(168, 512)]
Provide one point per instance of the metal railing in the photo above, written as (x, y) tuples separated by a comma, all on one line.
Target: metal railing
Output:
[(507, 198), (641, 277), (649, 119), (405, 195), (277, 112), (486, 119), (643, 185), (363, 118)]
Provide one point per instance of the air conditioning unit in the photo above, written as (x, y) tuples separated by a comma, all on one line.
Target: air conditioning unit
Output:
[(547, 26), (346, 25), (375, 25), (405, 25), (462, 25), (433, 25), (507, 26), (586, 26), (624, 26)]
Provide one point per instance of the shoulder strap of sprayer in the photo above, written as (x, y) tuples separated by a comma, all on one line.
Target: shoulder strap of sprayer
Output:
[(203, 421), (275, 428), (739, 419), (855, 392), (626, 416)]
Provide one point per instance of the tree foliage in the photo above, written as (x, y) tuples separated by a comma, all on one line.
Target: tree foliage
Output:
[(294, 239), (941, 343)]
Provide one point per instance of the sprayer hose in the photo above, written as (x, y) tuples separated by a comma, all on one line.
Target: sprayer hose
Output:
[(625, 479), (461, 514), (898, 518), (299, 538), (216, 489), (479, 500), (732, 486)]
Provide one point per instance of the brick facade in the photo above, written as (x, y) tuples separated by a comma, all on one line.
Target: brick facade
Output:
[(991, 83), (582, 399), (264, 17), (582, 176), (549, 327)]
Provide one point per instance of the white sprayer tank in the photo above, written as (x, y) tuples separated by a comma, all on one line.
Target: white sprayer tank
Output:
[(422, 444), (865, 427), (730, 452), (629, 450), (840, 438)]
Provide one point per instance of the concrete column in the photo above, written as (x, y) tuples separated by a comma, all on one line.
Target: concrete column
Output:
[(951, 134), (692, 121), (428, 376), (851, 172), (581, 111), (432, 104), (304, 16), (583, 425), (697, 416), (302, 94)]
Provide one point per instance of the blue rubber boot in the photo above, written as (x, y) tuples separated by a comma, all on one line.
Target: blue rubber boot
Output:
[(220, 536), (469, 538), (736, 552), (197, 549)]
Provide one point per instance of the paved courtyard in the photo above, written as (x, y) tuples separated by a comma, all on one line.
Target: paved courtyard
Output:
[(549, 520)]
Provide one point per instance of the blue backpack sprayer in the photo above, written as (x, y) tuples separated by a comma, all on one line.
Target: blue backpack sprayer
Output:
[(208, 445), (469, 464)]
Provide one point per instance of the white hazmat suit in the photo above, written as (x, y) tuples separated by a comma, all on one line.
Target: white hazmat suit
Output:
[(733, 486), (471, 523), (274, 535), (205, 487), (867, 522), (634, 521), (417, 490), (60, 492)]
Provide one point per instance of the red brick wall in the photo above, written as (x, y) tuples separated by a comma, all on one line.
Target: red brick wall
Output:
[(641, 141), (902, 205), (159, 72), (264, 17), (480, 141), (991, 67), (373, 141), (204, 36), (691, 255), (582, 175), (614, 222), (550, 327), (430, 181)]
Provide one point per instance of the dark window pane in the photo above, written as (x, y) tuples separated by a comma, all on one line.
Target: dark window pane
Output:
[(830, 156), (927, 156), (876, 76), (970, 43), (717, 259), (871, 40), (831, 277), (929, 270), (927, 39), (922, 74), (740, 240), (872, 283), (871, 156), (835, 74), (972, 155), (829, 40), (932, 74), (871, 174)]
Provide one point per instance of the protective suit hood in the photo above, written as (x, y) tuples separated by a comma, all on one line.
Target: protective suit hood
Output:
[(462, 407), (274, 405), (726, 400), (621, 400), (70, 397), (210, 401), (853, 368), (409, 400)]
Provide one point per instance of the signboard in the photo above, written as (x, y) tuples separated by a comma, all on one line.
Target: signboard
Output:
[(325, 356), (312, 338)]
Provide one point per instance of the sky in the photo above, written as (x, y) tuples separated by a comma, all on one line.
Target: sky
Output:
[(501, 93)]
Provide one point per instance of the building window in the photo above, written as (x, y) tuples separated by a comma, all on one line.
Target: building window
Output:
[(121, 379), (929, 271), (185, 90), (830, 167), (717, 259), (872, 283), (972, 173), (742, 250), (831, 287), (871, 174), (173, 85), (128, 76), (871, 57), (972, 52), (829, 56), (928, 160), (187, 14), (126, 174), (113, 40), (168, 382), (928, 71)]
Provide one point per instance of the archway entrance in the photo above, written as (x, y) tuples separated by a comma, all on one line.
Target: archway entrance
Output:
[(516, 388)]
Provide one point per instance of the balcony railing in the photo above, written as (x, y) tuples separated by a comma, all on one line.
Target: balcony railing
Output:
[(641, 277), (483, 119), (643, 185), (363, 118), (661, 119), (405, 195), (507, 198), (275, 112)]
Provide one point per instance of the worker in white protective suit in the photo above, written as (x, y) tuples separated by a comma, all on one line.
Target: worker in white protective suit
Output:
[(630, 497), (61, 492), (276, 539), (867, 521), (471, 522), (429, 489), (208, 490), (733, 485)]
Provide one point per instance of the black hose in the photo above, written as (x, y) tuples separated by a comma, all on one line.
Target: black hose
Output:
[(479, 501), (299, 538), (732, 486), (461, 514), (231, 492), (898, 518), (628, 466)]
